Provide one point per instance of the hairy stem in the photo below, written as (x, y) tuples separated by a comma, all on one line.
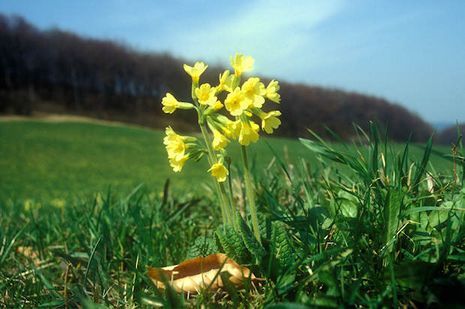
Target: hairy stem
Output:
[(225, 208), (249, 190)]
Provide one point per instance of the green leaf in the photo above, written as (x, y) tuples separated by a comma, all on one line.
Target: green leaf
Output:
[(326, 151), (202, 246), (252, 244), (348, 204), (422, 167), (283, 250), (374, 150), (232, 244), (391, 219)]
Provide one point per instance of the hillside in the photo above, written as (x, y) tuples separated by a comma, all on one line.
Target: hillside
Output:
[(66, 156), (61, 72)]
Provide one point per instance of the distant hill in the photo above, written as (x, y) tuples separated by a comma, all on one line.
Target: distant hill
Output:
[(449, 135), (61, 72)]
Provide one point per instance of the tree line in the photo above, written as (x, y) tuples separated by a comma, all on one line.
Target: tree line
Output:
[(451, 135), (61, 72)]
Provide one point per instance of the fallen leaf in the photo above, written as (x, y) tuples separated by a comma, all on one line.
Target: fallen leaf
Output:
[(29, 253), (199, 273)]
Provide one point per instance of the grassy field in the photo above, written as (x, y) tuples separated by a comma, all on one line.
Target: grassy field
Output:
[(42, 160), (338, 228)]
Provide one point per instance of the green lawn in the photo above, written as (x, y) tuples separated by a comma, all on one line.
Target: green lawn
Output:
[(41, 160), (45, 159)]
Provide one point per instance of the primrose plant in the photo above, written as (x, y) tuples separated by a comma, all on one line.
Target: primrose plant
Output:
[(226, 113)]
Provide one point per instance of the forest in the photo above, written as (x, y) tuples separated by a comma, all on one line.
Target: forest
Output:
[(55, 71)]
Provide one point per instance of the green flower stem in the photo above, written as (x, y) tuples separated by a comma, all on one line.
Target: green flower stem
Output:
[(229, 206), (249, 190), (194, 85), (225, 210), (231, 200)]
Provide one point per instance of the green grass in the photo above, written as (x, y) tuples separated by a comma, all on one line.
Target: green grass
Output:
[(382, 227), (42, 160)]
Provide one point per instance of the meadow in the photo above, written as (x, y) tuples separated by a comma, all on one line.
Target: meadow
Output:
[(85, 208), (43, 160)]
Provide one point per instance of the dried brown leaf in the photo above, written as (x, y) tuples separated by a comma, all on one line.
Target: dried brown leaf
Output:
[(199, 273)]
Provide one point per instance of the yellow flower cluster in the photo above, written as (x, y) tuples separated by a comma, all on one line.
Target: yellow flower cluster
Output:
[(176, 146), (241, 102)]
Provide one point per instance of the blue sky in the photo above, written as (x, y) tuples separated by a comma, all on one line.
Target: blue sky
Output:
[(410, 52)]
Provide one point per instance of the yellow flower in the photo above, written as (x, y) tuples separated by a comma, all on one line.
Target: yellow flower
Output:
[(272, 91), (241, 63), (28, 205), (219, 171), (219, 140), (254, 90), (213, 108), (228, 127), (206, 94), (58, 203), (270, 121), (235, 102), (170, 104), (226, 81), (175, 145), (177, 163), (233, 129), (248, 133), (196, 70), (217, 106)]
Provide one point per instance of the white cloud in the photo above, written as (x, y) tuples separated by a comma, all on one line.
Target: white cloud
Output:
[(274, 32)]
